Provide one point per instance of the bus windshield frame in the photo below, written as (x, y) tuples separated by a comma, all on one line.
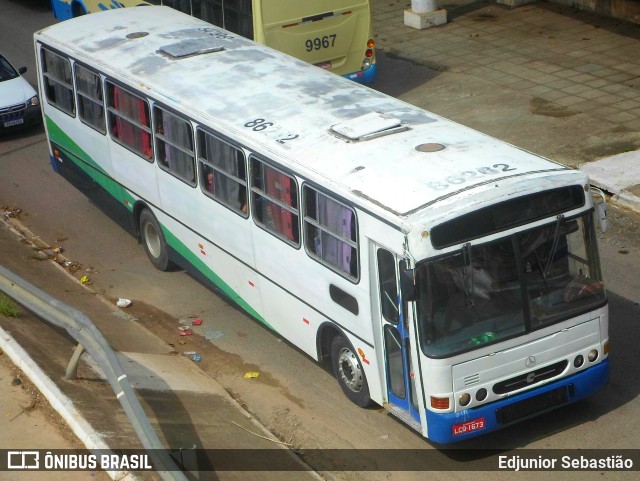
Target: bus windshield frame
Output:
[(489, 292)]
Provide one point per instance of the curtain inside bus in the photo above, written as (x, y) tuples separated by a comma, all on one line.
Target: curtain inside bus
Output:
[(58, 81), (136, 109), (90, 103), (338, 219), (224, 157), (178, 132), (278, 186)]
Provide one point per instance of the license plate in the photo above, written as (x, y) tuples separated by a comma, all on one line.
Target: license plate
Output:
[(468, 427), (11, 123)]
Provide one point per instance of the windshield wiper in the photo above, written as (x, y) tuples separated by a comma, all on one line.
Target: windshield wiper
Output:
[(467, 275), (554, 245)]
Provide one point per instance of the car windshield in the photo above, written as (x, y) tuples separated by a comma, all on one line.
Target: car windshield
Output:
[(490, 292), (7, 72)]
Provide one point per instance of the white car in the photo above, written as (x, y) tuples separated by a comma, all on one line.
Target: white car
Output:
[(19, 102)]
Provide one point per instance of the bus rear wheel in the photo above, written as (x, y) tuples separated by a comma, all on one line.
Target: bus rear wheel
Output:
[(349, 373), (153, 241)]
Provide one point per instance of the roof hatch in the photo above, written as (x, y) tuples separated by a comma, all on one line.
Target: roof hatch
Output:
[(191, 47), (368, 126)]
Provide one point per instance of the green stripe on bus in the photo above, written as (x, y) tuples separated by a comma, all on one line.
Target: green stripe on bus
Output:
[(196, 262), (82, 160), (57, 135)]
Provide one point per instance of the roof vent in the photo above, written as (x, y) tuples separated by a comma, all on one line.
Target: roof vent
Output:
[(133, 35), (430, 147), (191, 47), (368, 126)]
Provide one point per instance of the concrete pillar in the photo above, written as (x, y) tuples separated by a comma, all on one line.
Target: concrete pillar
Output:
[(424, 6), (424, 14)]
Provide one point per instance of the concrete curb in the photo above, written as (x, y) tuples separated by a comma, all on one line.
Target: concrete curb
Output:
[(58, 400), (63, 405), (628, 200), (617, 175)]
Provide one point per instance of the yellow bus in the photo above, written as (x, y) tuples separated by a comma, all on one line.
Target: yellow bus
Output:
[(335, 35)]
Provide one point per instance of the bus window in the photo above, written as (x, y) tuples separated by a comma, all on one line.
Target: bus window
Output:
[(58, 82), (222, 172), (388, 286), (174, 145), (129, 121), (274, 198), (330, 229), (182, 5), (238, 17), (90, 101), (210, 11)]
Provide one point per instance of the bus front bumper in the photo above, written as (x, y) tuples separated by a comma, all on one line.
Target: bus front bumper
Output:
[(455, 427), (364, 76)]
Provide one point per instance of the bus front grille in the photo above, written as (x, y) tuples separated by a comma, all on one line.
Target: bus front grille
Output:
[(532, 405), (533, 377)]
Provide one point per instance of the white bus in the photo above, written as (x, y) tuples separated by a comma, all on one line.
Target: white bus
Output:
[(332, 34), (445, 275)]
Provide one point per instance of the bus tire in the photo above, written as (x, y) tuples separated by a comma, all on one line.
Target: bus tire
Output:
[(349, 373), (153, 241)]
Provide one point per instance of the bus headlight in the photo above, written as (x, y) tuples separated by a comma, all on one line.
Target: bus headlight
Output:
[(593, 355), (481, 395), (464, 399), (366, 63), (578, 361)]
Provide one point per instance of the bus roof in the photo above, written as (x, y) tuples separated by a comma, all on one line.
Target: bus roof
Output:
[(382, 153)]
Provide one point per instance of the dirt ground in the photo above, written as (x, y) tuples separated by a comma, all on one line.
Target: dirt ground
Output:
[(29, 422)]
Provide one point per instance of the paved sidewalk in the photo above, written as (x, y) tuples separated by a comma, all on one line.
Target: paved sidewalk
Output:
[(27, 421), (578, 61), (187, 408), (558, 76)]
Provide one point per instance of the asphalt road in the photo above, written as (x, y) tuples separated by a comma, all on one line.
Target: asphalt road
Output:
[(286, 398)]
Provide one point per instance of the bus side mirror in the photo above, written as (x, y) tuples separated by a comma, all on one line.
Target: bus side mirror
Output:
[(408, 284), (600, 204)]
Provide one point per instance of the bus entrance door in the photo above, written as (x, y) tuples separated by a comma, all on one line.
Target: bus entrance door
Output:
[(401, 391)]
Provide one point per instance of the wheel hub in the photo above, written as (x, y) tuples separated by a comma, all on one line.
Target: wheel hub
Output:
[(152, 239), (350, 370)]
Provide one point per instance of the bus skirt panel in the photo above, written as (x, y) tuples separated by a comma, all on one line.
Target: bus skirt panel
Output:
[(93, 184)]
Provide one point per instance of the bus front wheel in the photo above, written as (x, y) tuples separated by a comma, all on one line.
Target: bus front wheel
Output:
[(349, 373), (153, 241)]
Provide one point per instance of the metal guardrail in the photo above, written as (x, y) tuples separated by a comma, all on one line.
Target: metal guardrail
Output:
[(80, 327)]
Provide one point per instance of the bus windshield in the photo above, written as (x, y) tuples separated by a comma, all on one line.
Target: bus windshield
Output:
[(487, 293)]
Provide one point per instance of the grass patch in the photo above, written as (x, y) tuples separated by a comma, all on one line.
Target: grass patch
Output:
[(8, 308)]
